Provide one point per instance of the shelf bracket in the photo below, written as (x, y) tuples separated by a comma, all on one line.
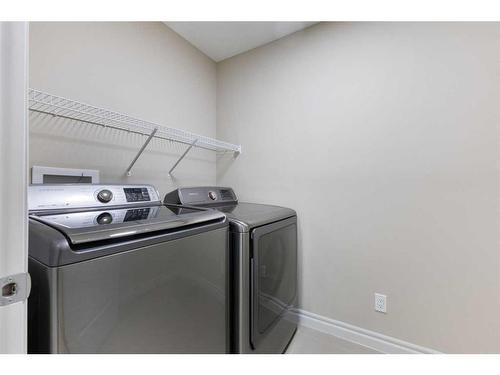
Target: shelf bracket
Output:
[(182, 157), (129, 169)]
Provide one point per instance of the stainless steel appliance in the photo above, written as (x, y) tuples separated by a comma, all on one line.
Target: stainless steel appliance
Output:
[(263, 258), (115, 271)]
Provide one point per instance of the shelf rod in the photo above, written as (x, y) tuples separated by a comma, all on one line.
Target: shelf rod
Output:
[(182, 156), (129, 169)]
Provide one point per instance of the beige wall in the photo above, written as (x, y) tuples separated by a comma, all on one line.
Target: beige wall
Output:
[(384, 138), (142, 69)]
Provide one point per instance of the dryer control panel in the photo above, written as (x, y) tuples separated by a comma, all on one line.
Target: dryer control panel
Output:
[(202, 195), (76, 196)]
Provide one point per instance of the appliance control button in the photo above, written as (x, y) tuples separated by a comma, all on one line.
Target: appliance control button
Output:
[(212, 195), (104, 218), (104, 196)]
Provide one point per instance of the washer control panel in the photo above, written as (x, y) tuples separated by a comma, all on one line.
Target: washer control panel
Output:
[(52, 197)]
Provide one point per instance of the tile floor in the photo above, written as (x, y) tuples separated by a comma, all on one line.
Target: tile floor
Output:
[(310, 341)]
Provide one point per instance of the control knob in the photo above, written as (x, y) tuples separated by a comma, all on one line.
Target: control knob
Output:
[(212, 195), (104, 218), (104, 196)]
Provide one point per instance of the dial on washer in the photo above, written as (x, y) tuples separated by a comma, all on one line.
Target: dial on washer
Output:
[(212, 195), (104, 196), (104, 218)]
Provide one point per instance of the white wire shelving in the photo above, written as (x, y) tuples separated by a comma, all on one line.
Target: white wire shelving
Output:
[(45, 103)]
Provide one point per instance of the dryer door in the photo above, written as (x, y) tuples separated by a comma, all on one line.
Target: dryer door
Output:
[(273, 276)]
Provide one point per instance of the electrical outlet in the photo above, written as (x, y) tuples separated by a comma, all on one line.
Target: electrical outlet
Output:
[(380, 303)]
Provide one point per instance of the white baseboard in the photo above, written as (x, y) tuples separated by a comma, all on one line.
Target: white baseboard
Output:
[(358, 335)]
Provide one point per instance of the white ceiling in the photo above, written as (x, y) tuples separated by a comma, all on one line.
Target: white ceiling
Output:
[(220, 40)]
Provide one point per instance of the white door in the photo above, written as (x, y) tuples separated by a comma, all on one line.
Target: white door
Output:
[(13, 186)]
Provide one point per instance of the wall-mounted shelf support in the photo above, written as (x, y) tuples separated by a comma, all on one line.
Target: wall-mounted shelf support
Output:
[(129, 169), (182, 157)]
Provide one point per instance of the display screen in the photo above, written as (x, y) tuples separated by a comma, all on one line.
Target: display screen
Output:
[(136, 194)]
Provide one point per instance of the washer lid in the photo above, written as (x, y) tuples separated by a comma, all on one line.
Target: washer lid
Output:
[(97, 225)]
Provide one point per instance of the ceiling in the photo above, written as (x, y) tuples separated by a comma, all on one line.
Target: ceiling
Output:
[(220, 40)]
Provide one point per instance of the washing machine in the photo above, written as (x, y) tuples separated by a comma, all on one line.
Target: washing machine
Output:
[(114, 270), (263, 258)]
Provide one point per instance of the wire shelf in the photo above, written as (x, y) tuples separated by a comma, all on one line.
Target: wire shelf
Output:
[(46, 103), (58, 106)]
